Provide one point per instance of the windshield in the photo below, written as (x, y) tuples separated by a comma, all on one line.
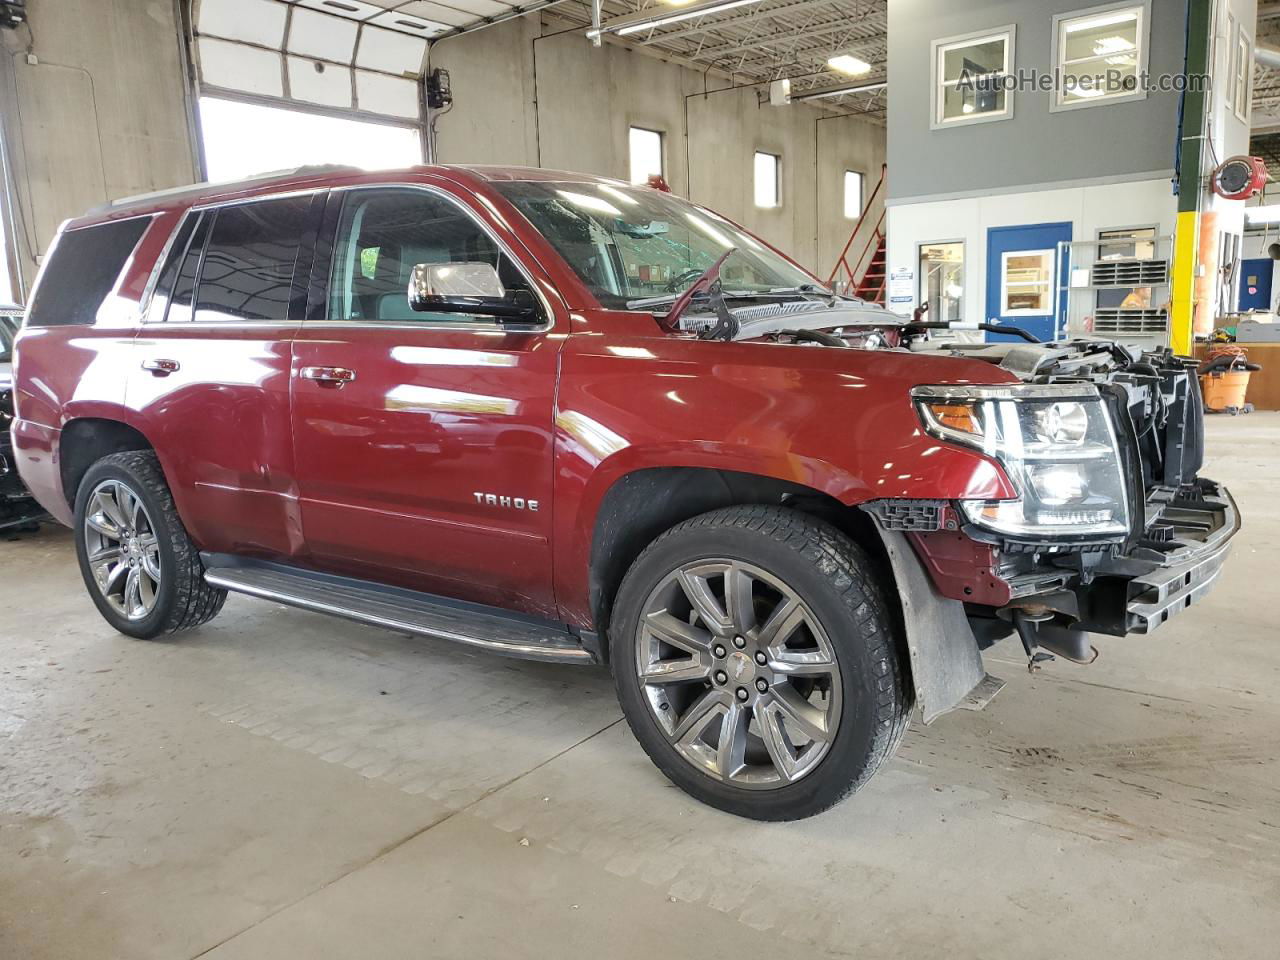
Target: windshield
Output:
[(631, 243)]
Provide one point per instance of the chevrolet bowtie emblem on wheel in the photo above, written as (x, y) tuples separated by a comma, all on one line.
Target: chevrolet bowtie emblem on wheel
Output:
[(514, 503)]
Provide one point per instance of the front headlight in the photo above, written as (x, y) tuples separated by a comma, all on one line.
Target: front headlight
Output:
[(1055, 442)]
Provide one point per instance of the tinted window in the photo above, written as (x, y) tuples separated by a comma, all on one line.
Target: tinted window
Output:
[(82, 270), (178, 279), (247, 269), (384, 234)]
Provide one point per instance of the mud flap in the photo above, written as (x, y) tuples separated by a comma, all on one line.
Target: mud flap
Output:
[(946, 665)]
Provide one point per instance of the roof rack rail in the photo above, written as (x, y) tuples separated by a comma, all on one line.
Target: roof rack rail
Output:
[(307, 169)]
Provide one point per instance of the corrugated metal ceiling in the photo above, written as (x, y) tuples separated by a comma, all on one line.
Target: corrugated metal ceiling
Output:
[(771, 40)]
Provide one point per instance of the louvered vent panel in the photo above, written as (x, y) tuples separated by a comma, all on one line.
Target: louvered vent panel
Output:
[(1129, 273), (1123, 320)]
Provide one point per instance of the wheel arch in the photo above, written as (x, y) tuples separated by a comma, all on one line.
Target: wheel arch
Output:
[(642, 504), (85, 440)]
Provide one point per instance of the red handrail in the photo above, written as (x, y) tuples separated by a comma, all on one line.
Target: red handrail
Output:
[(876, 234)]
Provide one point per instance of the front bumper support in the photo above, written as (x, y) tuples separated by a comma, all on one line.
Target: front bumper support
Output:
[(1188, 573)]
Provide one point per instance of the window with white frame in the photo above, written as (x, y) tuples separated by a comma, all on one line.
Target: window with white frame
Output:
[(646, 154), (768, 179), (1243, 77), (1126, 243), (968, 78), (852, 194), (942, 279), (1229, 68), (1099, 56), (1026, 283)]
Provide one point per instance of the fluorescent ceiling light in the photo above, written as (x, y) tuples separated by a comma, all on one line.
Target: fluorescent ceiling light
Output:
[(1107, 45), (684, 15), (849, 64), (1106, 20), (1117, 50), (648, 20), (840, 90), (1267, 214)]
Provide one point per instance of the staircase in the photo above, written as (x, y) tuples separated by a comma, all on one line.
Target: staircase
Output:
[(871, 286), (863, 274)]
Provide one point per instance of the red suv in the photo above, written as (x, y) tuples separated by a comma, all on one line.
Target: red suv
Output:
[(558, 416)]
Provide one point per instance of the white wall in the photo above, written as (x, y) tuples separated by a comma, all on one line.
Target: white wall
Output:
[(1229, 133), (1036, 144), (533, 94), (97, 112), (1088, 209)]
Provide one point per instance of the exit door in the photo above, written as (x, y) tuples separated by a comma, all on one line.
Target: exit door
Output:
[(1023, 277)]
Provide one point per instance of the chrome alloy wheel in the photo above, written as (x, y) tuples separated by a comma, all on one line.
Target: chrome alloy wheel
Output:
[(738, 673), (123, 552)]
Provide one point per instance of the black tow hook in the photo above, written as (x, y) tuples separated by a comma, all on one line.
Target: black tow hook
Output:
[(1043, 640)]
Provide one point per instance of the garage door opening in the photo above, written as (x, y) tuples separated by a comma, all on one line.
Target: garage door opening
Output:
[(242, 139)]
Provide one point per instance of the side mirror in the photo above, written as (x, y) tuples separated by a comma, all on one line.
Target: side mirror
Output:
[(472, 288)]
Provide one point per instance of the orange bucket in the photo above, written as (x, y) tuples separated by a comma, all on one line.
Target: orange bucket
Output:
[(1224, 391)]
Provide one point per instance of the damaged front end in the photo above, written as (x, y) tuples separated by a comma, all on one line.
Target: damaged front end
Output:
[(1113, 531)]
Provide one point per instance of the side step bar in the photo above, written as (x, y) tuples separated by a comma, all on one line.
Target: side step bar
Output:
[(497, 631)]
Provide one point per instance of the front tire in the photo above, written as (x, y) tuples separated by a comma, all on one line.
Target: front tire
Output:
[(754, 658), (139, 566)]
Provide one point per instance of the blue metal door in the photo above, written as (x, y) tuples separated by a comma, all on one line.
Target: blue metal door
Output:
[(1255, 283), (1024, 272)]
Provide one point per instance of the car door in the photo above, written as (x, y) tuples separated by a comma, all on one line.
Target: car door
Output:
[(424, 441), (1025, 279), (211, 382)]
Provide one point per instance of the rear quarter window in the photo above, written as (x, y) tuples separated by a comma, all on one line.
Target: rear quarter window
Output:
[(83, 268)]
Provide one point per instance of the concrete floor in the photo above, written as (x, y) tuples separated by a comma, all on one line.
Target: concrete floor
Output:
[(280, 784)]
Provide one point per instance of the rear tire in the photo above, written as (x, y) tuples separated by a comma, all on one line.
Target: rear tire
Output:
[(825, 704), (139, 566)]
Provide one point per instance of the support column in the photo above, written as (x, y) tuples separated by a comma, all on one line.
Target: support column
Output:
[(1186, 240)]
